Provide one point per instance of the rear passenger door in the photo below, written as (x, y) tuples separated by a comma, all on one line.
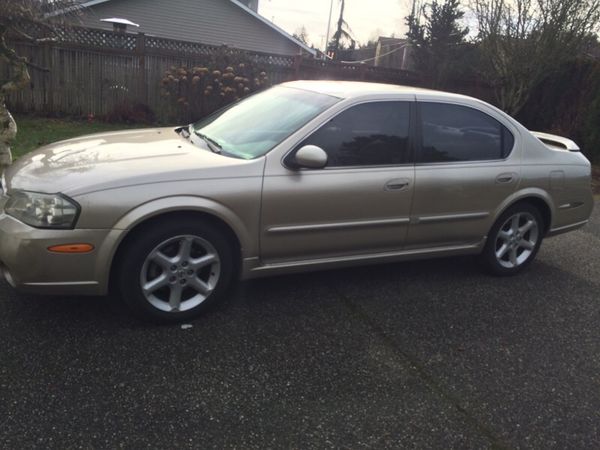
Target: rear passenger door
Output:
[(467, 164)]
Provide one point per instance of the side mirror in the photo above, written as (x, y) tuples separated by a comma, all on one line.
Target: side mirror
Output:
[(311, 156)]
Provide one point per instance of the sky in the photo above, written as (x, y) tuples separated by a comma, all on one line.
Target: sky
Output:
[(368, 19)]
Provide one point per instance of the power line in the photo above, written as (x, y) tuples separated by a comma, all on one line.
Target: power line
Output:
[(401, 45)]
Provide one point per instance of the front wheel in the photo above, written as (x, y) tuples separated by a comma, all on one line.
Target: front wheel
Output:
[(514, 240), (173, 271)]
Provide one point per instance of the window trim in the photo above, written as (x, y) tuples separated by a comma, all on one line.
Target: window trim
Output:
[(419, 136), (412, 138)]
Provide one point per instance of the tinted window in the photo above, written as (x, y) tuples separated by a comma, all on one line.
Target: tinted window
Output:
[(459, 133), (365, 135)]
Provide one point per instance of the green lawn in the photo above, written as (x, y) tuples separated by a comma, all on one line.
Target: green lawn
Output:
[(34, 132)]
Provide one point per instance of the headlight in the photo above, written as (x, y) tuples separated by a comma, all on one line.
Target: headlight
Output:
[(42, 210)]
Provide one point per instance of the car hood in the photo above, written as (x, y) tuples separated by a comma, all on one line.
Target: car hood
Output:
[(111, 160)]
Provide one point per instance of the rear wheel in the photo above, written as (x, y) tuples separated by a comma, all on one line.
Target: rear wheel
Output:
[(514, 240), (174, 271)]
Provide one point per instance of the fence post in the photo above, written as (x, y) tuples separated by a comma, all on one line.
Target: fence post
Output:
[(297, 64), (140, 50), (363, 71), (48, 79)]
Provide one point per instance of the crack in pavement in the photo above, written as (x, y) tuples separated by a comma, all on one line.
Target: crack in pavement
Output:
[(429, 380)]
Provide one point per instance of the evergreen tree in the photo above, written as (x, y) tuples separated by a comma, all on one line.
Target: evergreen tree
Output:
[(437, 43)]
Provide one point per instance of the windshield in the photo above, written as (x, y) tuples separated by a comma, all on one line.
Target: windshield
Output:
[(255, 125)]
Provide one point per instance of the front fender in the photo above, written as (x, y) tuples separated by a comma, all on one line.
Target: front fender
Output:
[(165, 205), (155, 208)]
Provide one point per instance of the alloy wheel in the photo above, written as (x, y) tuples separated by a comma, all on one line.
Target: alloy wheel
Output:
[(516, 240), (180, 273)]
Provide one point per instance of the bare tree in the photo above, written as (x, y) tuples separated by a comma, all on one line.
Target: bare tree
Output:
[(17, 17), (301, 34), (522, 41)]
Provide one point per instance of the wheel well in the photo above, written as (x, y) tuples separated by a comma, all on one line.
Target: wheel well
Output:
[(542, 207), (175, 215)]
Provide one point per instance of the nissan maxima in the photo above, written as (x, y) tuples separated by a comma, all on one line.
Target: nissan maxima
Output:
[(306, 175)]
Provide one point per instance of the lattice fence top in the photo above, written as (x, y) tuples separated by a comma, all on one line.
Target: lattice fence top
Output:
[(170, 45), (97, 38), (155, 44), (92, 38)]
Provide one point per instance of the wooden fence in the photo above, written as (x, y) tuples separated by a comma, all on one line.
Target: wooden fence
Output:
[(94, 71)]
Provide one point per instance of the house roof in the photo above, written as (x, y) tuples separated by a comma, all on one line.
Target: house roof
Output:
[(275, 27), (236, 3)]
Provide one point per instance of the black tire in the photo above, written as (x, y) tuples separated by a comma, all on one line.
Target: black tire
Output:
[(134, 260), (495, 242)]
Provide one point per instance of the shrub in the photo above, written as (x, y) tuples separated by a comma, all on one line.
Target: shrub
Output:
[(198, 91), (567, 103), (591, 123), (131, 114)]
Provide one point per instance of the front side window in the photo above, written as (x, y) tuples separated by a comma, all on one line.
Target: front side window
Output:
[(368, 134), (459, 133)]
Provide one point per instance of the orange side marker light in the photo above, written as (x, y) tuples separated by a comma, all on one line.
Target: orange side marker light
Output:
[(71, 248)]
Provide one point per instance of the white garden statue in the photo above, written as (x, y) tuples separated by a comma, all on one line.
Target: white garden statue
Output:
[(8, 132), (20, 78)]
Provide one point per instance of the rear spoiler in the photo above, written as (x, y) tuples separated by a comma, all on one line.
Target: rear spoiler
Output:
[(556, 142)]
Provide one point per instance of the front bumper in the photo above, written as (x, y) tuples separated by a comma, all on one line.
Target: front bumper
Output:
[(27, 265)]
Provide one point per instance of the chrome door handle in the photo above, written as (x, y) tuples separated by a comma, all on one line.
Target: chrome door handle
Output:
[(397, 184), (505, 178)]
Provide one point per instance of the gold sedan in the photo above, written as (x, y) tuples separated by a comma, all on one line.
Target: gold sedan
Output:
[(306, 175)]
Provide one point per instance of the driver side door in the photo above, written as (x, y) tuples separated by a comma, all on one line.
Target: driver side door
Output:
[(359, 203)]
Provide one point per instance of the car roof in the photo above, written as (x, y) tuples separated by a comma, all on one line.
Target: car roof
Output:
[(350, 89)]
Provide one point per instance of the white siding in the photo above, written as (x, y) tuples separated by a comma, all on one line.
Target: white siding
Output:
[(213, 22)]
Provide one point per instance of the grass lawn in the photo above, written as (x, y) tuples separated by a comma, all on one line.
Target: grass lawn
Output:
[(34, 132)]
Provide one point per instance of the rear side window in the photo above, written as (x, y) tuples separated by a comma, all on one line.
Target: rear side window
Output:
[(459, 133), (366, 135)]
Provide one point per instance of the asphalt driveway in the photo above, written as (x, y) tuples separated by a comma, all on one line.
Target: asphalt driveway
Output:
[(426, 354)]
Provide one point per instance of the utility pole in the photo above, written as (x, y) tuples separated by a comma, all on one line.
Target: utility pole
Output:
[(328, 28), (416, 10)]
